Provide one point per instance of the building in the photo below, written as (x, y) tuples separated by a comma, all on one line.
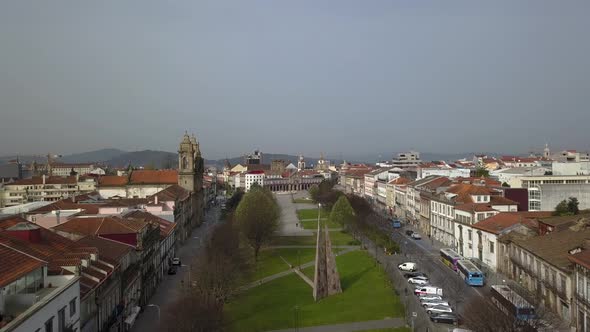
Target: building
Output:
[(323, 164), (390, 192), (67, 169), (370, 182), (570, 168), (406, 160), (581, 279), (441, 168), (252, 177), (278, 165), (510, 176), (541, 264), (45, 188), (571, 156), (301, 163), (293, 181), (140, 183), (254, 158), (545, 192)]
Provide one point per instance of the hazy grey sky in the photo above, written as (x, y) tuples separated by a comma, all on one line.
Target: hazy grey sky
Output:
[(350, 77)]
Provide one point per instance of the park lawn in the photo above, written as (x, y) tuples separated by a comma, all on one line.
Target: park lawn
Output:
[(270, 262), (312, 214), (313, 224), (367, 295), (338, 238)]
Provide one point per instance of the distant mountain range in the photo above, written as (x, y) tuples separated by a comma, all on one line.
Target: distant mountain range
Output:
[(164, 159)]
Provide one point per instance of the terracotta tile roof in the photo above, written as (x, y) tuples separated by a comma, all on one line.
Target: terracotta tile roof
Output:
[(125, 202), (554, 247), (166, 176), (582, 258), (504, 220), (499, 200), (16, 264), (564, 220), (166, 227), (437, 183), (474, 207), (37, 180), (171, 193), (67, 204), (478, 180), (464, 192), (107, 248), (112, 181), (99, 226), (400, 180)]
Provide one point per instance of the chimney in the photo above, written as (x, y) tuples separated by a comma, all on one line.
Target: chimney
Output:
[(57, 213), (43, 179), (156, 199)]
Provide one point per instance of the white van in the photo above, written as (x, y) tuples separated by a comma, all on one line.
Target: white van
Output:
[(428, 290), (408, 266)]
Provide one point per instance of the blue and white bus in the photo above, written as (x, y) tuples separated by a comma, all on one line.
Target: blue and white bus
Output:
[(512, 304), (396, 223), (470, 273), (450, 258)]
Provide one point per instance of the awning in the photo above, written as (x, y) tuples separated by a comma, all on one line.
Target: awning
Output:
[(131, 318)]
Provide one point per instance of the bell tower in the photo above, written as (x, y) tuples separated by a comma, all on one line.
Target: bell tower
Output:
[(190, 164)]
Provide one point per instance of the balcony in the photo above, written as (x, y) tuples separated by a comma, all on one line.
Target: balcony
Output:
[(582, 300)]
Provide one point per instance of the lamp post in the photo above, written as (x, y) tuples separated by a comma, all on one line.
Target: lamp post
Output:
[(319, 214)]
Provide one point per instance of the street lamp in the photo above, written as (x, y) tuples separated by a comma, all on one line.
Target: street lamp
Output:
[(157, 307)]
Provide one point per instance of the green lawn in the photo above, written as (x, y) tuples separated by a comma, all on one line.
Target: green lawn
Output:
[(398, 329), (313, 224), (337, 237), (367, 295), (312, 214), (303, 200)]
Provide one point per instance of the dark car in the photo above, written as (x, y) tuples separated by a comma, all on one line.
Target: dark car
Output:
[(409, 232), (172, 270), (445, 317), (414, 274)]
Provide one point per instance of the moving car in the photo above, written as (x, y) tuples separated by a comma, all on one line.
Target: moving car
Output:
[(418, 280), (438, 309), (445, 317), (409, 232), (429, 297), (407, 266), (416, 236), (414, 274), (176, 261)]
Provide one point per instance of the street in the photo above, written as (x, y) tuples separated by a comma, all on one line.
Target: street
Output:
[(170, 288)]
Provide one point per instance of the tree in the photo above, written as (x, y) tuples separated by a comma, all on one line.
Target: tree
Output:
[(506, 185), (482, 172), (257, 216), (342, 213), (234, 200), (561, 209), (314, 192), (573, 205)]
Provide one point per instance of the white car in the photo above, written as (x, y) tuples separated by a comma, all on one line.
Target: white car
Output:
[(429, 297), (416, 236), (408, 266), (433, 303), (176, 261), (438, 308), (418, 281)]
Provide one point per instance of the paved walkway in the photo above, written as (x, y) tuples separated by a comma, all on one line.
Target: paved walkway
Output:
[(351, 327), (307, 247), (289, 221)]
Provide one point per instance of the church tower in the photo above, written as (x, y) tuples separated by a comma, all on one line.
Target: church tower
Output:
[(190, 164), (546, 151), (301, 163)]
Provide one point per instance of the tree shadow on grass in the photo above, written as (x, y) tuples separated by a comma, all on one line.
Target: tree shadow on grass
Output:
[(350, 280)]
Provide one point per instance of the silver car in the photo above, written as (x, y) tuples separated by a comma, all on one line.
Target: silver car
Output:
[(429, 297), (438, 308), (432, 303)]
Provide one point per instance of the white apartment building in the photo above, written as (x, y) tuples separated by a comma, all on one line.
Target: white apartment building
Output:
[(253, 177), (406, 160), (371, 179), (63, 169), (45, 188), (571, 168), (442, 219), (450, 172)]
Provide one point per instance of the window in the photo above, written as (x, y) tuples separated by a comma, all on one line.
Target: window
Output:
[(563, 285), (469, 235), (49, 325), (61, 319), (73, 307), (491, 247)]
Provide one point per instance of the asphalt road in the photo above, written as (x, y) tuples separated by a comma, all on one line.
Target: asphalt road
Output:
[(171, 286)]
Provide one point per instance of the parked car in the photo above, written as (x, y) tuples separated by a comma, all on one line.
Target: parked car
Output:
[(172, 270), (432, 303), (416, 236), (418, 281), (428, 290), (414, 274), (445, 317), (176, 261), (407, 266), (409, 232), (438, 309), (429, 297)]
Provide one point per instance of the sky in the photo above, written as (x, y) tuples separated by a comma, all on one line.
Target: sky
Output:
[(344, 77)]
